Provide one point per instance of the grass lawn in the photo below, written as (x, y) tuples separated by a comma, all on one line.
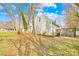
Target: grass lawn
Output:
[(65, 46), (4, 45)]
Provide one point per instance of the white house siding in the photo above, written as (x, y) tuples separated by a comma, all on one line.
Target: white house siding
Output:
[(37, 25), (48, 26), (43, 25), (54, 28), (77, 33), (40, 25)]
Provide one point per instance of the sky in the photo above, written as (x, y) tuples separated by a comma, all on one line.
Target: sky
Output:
[(55, 11)]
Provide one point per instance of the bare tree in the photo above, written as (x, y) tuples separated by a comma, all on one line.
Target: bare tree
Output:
[(32, 15), (72, 19), (9, 11)]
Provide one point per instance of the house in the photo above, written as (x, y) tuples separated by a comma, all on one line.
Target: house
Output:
[(7, 26), (44, 25)]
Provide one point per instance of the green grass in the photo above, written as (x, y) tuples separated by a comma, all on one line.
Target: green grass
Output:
[(7, 33), (67, 47)]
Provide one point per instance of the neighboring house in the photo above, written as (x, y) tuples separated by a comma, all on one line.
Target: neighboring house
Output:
[(7, 26), (44, 25)]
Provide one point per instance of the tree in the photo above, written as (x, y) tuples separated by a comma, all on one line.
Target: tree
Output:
[(32, 15), (71, 18), (9, 11), (77, 13), (22, 17), (20, 13)]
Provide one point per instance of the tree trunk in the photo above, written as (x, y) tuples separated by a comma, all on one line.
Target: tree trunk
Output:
[(74, 30), (32, 13)]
